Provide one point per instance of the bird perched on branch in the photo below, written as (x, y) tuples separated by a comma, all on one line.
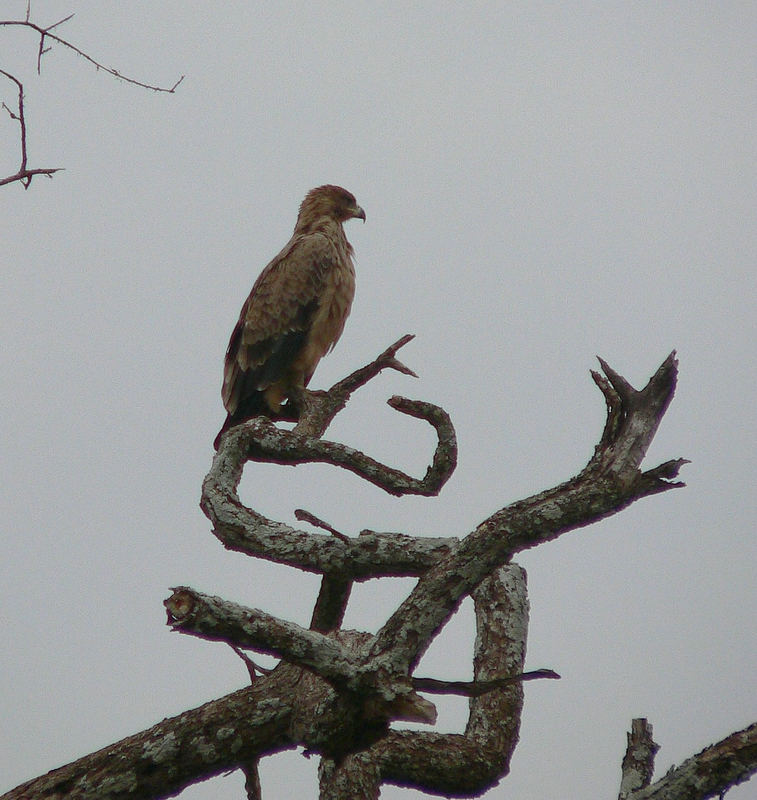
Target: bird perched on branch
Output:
[(295, 312)]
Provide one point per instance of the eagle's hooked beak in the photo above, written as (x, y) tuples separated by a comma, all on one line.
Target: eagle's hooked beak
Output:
[(358, 213)]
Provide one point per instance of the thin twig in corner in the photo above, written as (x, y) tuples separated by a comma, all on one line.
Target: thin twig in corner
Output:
[(45, 33)]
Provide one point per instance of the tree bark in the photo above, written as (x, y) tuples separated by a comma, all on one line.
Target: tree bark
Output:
[(710, 773), (337, 692)]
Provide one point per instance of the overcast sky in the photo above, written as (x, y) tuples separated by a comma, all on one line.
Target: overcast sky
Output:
[(543, 183)]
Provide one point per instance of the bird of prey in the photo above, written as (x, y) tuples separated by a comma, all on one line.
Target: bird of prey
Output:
[(295, 312)]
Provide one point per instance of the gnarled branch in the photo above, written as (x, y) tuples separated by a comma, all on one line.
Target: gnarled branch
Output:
[(261, 441), (711, 773), (610, 482), (371, 554), (337, 691), (456, 764)]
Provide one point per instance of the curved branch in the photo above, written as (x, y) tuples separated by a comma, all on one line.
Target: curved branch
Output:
[(263, 442), (455, 764), (445, 455), (260, 440), (610, 482), (372, 554)]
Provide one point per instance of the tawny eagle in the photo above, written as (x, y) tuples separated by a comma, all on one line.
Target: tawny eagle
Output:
[(295, 312)]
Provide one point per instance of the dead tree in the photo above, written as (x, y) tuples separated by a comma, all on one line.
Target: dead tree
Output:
[(336, 692)]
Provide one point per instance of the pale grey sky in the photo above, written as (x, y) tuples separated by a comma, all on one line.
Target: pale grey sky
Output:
[(544, 183)]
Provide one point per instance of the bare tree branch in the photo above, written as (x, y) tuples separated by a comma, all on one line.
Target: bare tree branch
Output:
[(638, 762), (479, 688), (223, 621), (710, 773), (357, 777), (610, 482), (252, 781), (44, 34), (179, 751), (24, 175), (260, 440), (337, 691), (331, 604), (467, 765), (371, 554), (318, 409)]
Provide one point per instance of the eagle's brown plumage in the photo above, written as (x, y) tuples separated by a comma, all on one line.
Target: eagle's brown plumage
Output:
[(295, 312)]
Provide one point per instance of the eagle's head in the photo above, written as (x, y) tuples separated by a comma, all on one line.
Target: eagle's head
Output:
[(328, 201)]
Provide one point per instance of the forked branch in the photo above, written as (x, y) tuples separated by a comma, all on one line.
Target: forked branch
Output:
[(610, 482), (45, 35), (371, 554), (24, 175)]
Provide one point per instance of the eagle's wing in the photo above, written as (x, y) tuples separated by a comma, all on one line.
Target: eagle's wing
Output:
[(276, 318)]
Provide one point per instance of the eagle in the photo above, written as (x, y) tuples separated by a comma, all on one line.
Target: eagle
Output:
[(295, 312)]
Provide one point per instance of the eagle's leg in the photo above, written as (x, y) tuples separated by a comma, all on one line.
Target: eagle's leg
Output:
[(301, 403)]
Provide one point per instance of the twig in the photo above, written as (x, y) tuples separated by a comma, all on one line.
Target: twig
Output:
[(479, 688), (320, 408), (44, 33), (306, 516), (23, 175), (252, 667)]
